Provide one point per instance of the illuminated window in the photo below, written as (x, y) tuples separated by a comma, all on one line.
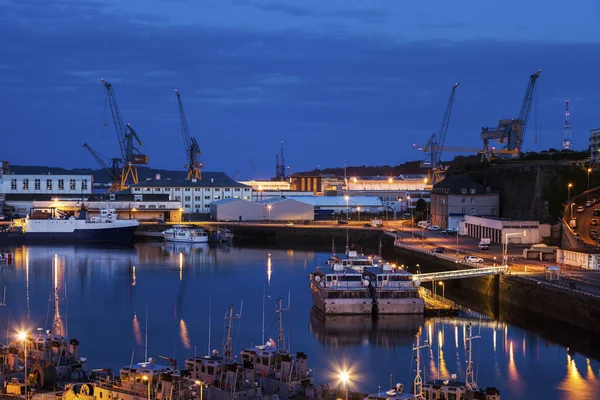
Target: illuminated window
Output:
[(25, 184), (72, 184), (48, 184), (61, 184)]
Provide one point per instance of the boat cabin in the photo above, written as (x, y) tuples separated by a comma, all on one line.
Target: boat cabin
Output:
[(138, 377), (454, 390), (387, 276), (355, 261), (338, 277)]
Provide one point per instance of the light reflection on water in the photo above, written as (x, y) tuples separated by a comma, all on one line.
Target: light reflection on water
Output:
[(181, 285)]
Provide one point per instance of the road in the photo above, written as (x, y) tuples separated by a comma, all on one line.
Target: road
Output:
[(584, 220), (583, 279)]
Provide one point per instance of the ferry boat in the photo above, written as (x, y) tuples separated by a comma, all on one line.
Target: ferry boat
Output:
[(375, 288), (185, 235), (106, 227)]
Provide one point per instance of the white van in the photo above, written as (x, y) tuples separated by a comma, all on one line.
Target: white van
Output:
[(423, 224)]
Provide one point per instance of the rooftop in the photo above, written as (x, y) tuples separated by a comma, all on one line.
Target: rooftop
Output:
[(339, 201), (209, 179)]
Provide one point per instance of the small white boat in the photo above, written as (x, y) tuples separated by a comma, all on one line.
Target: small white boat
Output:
[(185, 235)]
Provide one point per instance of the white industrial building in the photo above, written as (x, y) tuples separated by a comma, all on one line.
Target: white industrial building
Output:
[(339, 204), (196, 195), (267, 185), (234, 209), (407, 182), (519, 232), (588, 259), (285, 209)]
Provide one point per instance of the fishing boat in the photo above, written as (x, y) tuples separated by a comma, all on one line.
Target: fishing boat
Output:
[(441, 388), (221, 236), (147, 380), (182, 234), (106, 227), (281, 372)]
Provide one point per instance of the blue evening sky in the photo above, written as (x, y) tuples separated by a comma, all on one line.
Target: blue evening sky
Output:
[(335, 79)]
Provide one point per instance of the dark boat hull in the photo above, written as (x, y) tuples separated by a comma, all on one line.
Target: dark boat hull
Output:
[(109, 235)]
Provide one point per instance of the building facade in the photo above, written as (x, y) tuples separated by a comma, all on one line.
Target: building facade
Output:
[(579, 258), (595, 146), (456, 197), (195, 195), (519, 232), (312, 183), (267, 185)]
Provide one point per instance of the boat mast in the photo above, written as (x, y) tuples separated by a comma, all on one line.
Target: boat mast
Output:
[(209, 324), (57, 326), (470, 381), (229, 317), (281, 336), (418, 382)]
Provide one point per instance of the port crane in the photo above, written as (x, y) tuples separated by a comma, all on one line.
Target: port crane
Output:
[(131, 156), (192, 150), (113, 170), (253, 167), (435, 145), (511, 132)]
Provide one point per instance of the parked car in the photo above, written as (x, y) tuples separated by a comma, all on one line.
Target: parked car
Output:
[(433, 228), (289, 224), (588, 203), (366, 225), (580, 209), (305, 222), (439, 250), (342, 222), (594, 221), (473, 259), (597, 212)]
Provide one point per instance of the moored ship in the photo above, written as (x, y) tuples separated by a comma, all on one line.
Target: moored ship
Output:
[(365, 288), (185, 235), (105, 228)]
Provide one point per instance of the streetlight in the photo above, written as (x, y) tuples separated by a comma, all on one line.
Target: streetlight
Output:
[(505, 255), (345, 378), (145, 378), (22, 336), (347, 211), (269, 208), (358, 209), (201, 385), (440, 283), (589, 170), (457, 232), (412, 220), (390, 180), (569, 186)]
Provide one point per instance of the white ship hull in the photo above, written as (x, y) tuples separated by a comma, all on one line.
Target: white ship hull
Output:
[(195, 239)]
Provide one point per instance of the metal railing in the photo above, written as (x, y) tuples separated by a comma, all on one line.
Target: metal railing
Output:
[(459, 274)]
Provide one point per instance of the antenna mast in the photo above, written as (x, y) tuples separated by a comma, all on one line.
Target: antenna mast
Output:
[(281, 336), (229, 317), (567, 143), (470, 381), (418, 382)]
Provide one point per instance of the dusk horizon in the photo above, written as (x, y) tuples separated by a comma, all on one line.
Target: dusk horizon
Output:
[(341, 81)]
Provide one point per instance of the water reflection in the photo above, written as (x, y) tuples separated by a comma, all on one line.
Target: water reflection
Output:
[(364, 330), (180, 284)]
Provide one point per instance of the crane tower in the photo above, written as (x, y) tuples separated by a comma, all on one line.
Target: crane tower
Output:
[(192, 149), (567, 143)]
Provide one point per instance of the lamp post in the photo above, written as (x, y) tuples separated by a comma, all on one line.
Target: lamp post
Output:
[(345, 378), (442, 285), (269, 208), (505, 253), (457, 232), (201, 386), (347, 210), (22, 336), (569, 186), (412, 220), (589, 170), (146, 378), (358, 209)]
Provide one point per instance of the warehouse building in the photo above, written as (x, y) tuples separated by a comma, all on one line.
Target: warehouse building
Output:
[(284, 209), (234, 209), (519, 232), (339, 204), (582, 258)]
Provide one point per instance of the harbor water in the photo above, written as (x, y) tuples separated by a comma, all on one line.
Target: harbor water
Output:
[(169, 299)]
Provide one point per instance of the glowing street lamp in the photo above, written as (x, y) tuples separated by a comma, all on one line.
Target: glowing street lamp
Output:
[(358, 209), (269, 208), (440, 283), (569, 186), (345, 379), (22, 336), (200, 384), (146, 379), (589, 170)]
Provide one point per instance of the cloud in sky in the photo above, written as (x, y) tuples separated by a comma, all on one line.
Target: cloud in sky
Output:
[(335, 80)]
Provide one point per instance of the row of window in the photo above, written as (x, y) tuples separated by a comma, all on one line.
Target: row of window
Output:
[(471, 190), (37, 184), (189, 190), (472, 211)]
